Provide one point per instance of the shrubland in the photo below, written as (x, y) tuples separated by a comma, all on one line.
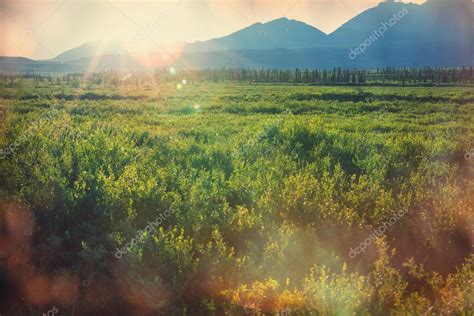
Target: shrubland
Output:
[(272, 186)]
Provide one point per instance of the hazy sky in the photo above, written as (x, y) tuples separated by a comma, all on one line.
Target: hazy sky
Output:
[(42, 29)]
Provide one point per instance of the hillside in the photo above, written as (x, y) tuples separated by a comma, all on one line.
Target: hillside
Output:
[(280, 33), (438, 33)]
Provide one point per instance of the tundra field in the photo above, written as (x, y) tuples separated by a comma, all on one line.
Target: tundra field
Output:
[(204, 198)]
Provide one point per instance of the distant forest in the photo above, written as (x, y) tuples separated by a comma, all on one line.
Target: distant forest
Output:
[(336, 76)]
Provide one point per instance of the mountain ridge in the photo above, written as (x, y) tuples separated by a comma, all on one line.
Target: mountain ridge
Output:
[(272, 34), (275, 34), (437, 33)]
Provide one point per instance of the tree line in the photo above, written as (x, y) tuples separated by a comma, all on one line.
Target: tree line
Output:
[(335, 76)]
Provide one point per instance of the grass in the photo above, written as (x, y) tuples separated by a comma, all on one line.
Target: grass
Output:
[(273, 185)]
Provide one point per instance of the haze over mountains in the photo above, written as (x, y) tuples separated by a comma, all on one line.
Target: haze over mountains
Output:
[(280, 33), (439, 33)]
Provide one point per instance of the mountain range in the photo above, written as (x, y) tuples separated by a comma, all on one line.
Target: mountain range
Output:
[(438, 33)]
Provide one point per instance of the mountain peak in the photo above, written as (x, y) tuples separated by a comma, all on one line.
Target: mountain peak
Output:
[(283, 21), (390, 2), (279, 20), (274, 34)]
